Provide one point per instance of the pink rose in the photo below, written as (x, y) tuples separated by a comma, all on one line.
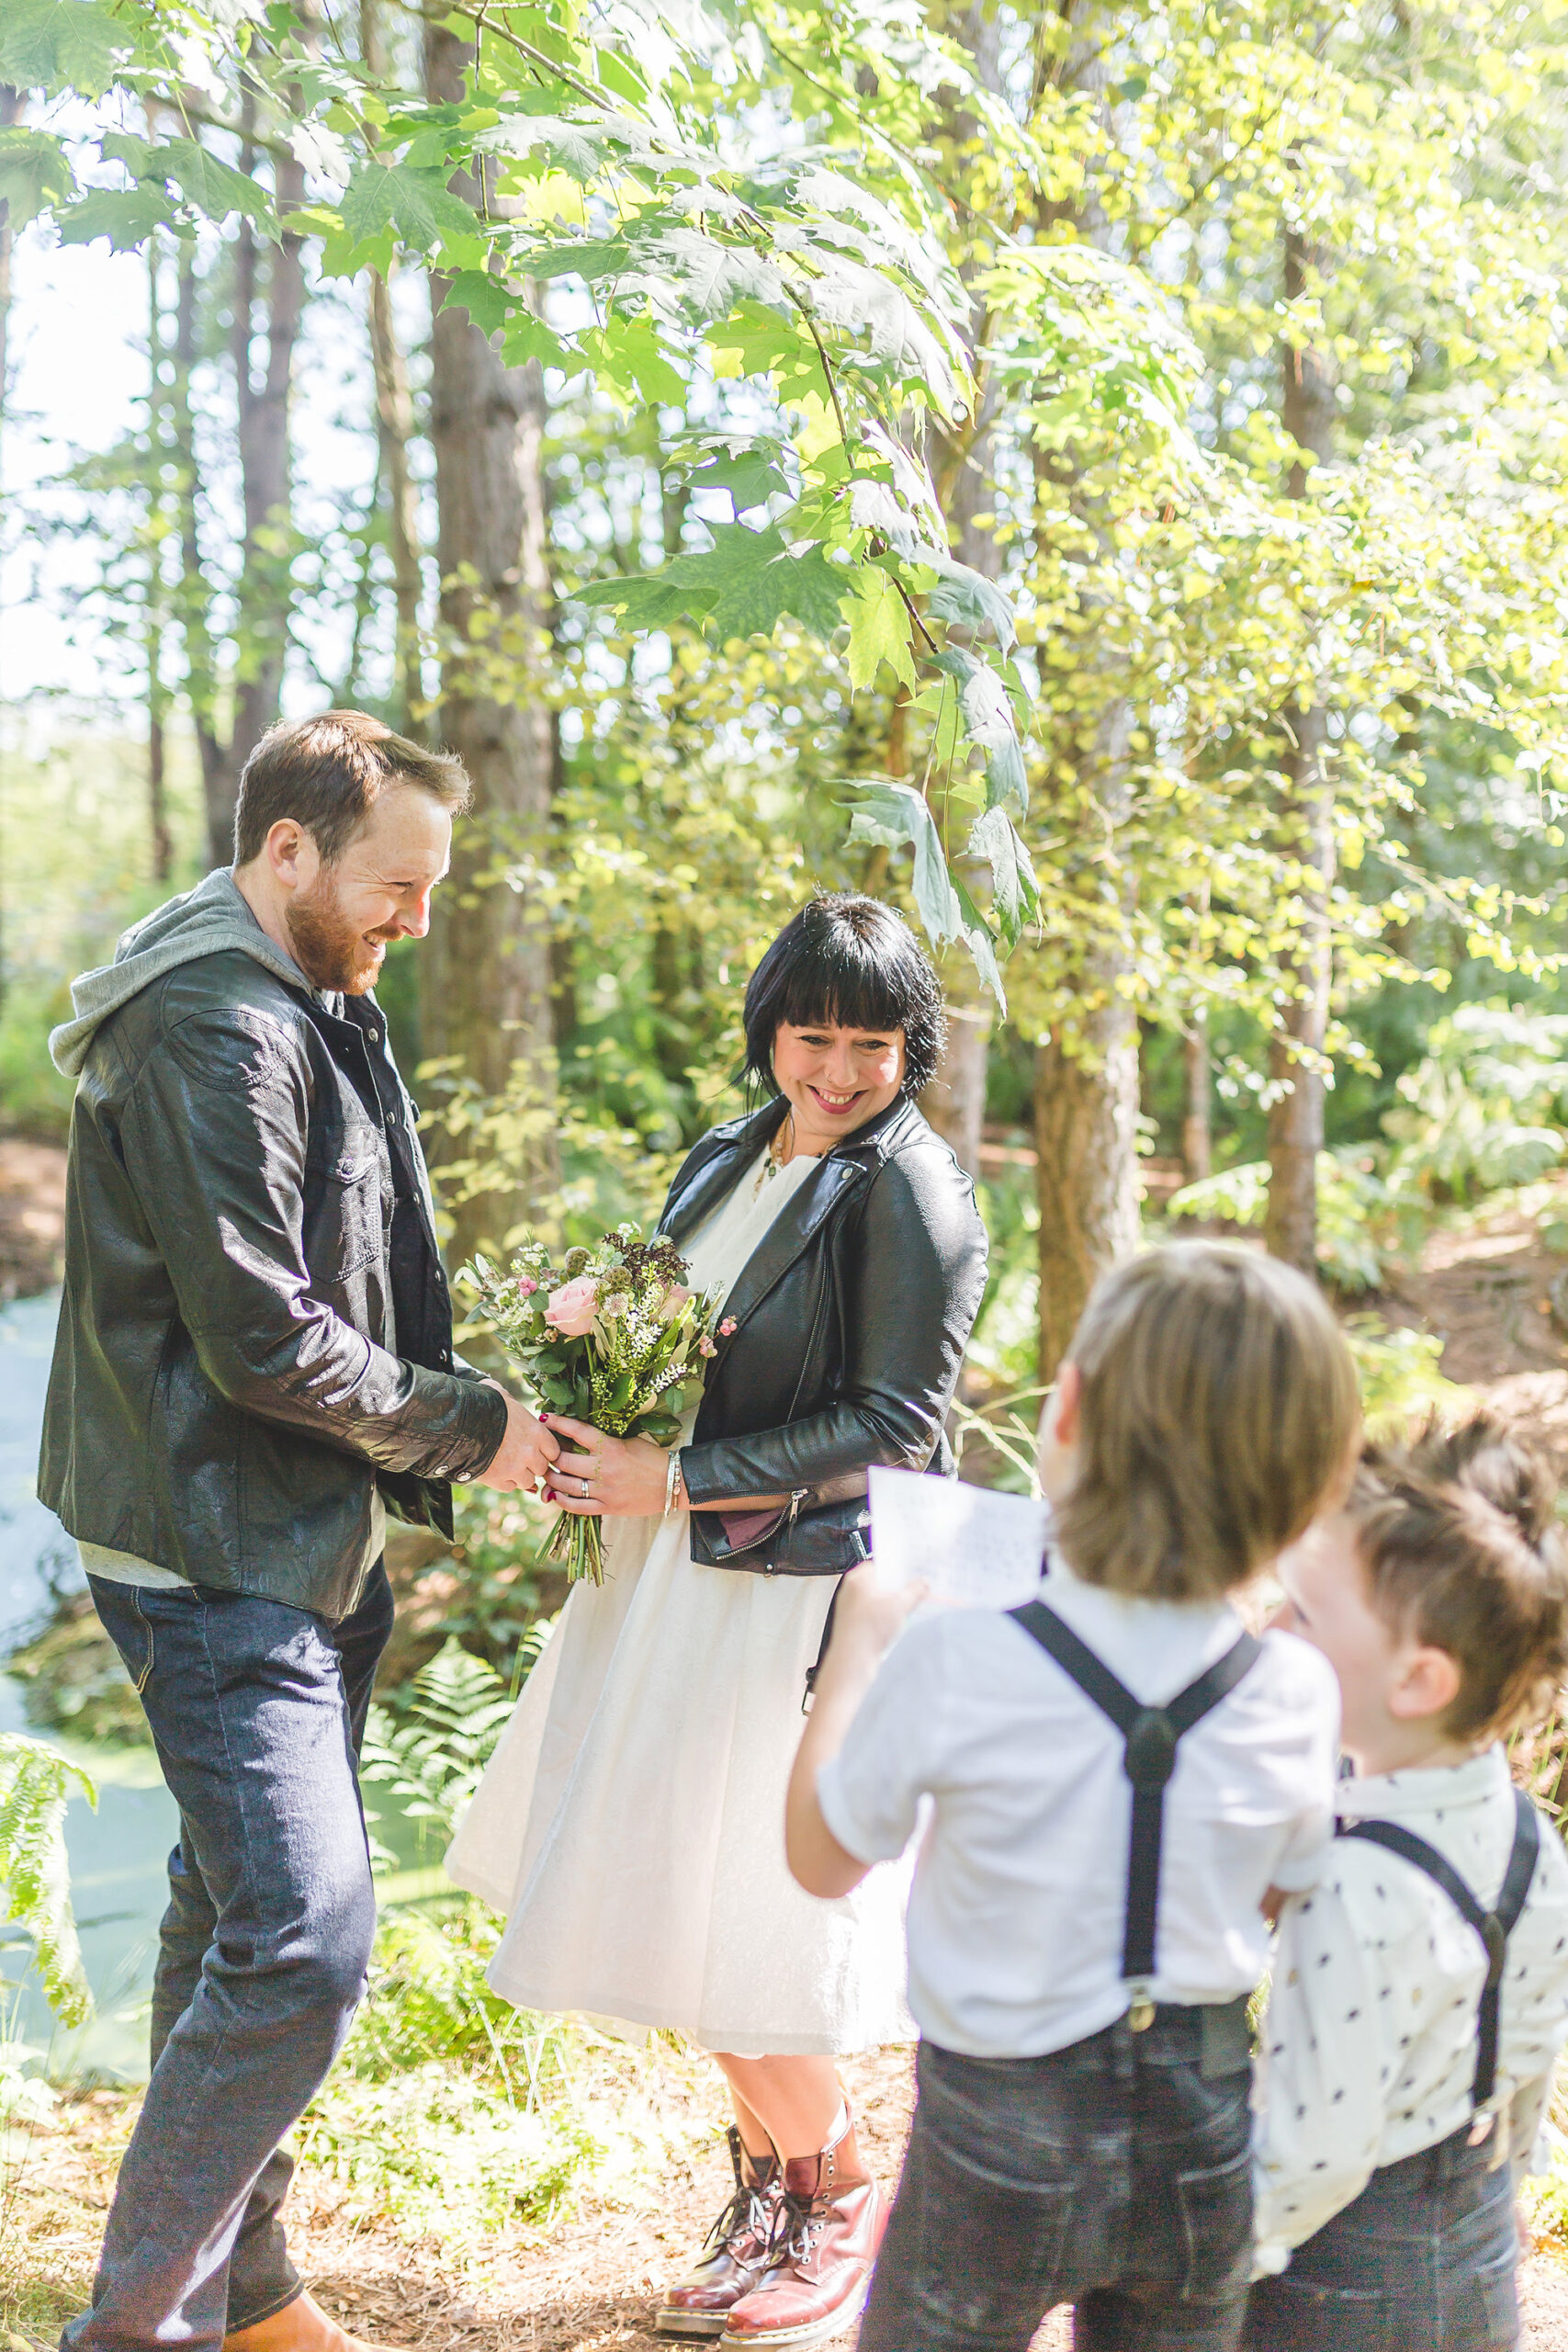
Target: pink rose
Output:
[(729, 1327), (673, 1300), (570, 1311)]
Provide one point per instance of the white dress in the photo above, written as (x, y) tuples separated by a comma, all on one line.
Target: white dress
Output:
[(630, 1823)]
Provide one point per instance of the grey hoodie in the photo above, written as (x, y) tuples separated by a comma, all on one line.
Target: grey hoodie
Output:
[(211, 920)]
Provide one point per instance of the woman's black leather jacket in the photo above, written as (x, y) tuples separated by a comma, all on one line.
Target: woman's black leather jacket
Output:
[(851, 1318)]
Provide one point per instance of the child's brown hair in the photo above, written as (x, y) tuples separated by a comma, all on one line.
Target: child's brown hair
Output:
[(1219, 1407), (1460, 1540)]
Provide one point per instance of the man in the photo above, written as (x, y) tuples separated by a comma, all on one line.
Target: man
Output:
[(253, 1364)]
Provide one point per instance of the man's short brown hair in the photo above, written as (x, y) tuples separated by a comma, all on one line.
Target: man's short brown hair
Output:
[(1219, 1407), (1459, 1537), (328, 773)]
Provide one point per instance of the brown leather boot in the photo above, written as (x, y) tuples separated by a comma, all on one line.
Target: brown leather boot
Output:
[(300, 2327), (737, 2250), (829, 2225)]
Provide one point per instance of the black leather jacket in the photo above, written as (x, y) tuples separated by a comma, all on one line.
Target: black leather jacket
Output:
[(255, 1329), (852, 1317)]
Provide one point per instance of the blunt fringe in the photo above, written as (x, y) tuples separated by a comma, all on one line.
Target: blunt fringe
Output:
[(1458, 1533), (328, 773), (848, 961), (1219, 1407)]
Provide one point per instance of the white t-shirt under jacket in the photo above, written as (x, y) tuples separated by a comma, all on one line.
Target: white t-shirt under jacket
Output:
[(1015, 1918), (1368, 2048)]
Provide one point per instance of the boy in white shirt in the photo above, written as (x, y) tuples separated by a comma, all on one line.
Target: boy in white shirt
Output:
[(1410, 2037), (1080, 1949)]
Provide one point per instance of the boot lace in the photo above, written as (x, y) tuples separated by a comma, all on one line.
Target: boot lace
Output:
[(748, 2214), (798, 2223)]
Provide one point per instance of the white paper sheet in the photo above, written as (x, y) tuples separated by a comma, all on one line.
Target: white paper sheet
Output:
[(975, 1549)]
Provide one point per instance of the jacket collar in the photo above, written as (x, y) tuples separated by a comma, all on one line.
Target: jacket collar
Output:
[(717, 1163), (839, 1170)]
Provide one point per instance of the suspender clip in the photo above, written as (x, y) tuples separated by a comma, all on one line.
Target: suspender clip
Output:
[(1141, 2010)]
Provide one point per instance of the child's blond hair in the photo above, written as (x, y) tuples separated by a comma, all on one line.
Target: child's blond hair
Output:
[(1218, 1409)]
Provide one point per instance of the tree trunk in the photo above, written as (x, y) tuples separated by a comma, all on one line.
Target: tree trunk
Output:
[(1086, 1080), (193, 600), (954, 1101), (1197, 1154), (156, 612), (10, 113), (395, 430), (1306, 836), (486, 992), (1085, 1099), (264, 590)]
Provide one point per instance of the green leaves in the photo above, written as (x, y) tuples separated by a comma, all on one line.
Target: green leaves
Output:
[(34, 173), (56, 45), (127, 217), (893, 814), (879, 629), (415, 208), (212, 189), (742, 587), (36, 1784)]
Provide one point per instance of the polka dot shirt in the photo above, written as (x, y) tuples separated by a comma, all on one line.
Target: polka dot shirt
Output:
[(1370, 2036)]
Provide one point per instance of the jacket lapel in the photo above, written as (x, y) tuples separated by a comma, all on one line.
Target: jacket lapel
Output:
[(791, 1232)]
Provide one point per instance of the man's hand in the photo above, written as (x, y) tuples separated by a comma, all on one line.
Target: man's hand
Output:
[(525, 1454)]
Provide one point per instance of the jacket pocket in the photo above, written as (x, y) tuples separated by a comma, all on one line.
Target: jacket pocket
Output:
[(352, 1225)]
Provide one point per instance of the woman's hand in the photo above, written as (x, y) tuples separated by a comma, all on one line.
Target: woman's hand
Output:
[(616, 1477)]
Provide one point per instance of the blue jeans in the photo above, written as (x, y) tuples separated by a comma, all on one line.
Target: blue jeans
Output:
[(1422, 2261), (1113, 2176), (257, 1712)]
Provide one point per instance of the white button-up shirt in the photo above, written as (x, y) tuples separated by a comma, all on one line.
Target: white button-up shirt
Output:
[(1017, 1911), (1369, 2039)]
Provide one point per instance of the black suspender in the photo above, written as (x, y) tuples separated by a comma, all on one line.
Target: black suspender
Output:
[(1493, 1926), (1151, 1735)]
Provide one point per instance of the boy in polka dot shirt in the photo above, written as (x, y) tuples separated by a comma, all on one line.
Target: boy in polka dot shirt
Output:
[(1399, 2098)]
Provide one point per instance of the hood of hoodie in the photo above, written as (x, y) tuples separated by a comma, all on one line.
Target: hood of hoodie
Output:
[(211, 920)]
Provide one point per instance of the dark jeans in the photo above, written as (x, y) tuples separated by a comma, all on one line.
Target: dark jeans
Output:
[(1422, 2261), (258, 1710), (1113, 2176)]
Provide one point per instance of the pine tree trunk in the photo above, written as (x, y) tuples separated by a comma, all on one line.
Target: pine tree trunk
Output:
[(1306, 836), (485, 991)]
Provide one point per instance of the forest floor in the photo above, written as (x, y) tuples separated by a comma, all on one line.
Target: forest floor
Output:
[(591, 2279), (590, 2283)]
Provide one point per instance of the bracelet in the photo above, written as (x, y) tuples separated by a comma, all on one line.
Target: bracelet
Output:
[(671, 1480)]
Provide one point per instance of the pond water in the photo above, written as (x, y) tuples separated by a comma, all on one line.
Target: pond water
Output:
[(119, 1853)]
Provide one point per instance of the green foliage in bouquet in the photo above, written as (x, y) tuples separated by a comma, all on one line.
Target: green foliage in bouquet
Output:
[(612, 1336)]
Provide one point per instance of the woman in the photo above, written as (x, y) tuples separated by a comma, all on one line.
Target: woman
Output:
[(631, 1822)]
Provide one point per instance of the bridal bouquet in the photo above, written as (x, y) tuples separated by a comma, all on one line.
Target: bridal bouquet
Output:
[(613, 1336)]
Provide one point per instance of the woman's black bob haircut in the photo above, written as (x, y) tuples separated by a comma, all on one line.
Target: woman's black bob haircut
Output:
[(852, 963)]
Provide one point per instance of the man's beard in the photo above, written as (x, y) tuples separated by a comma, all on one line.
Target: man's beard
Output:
[(327, 948)]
